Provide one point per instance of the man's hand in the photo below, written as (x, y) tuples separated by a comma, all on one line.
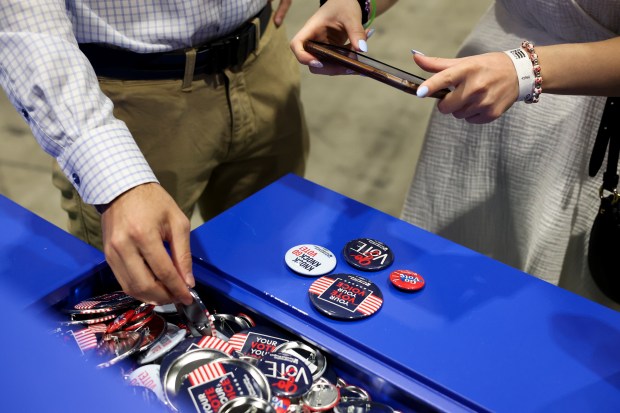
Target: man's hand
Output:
[(278, 16), (135, 226)]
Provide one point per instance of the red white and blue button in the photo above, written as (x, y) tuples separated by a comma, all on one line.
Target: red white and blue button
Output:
[(345, 296)]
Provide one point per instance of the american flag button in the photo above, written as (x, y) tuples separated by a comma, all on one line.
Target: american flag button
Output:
[(177, 365), (119, 345), (345, 296), (112, 302), (407, 280)]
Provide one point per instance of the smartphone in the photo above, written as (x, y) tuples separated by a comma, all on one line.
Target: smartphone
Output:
[(367, 66)]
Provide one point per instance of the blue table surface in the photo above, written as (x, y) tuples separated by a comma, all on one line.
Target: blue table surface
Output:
[(40, 373), (480, 332), (36, 257)]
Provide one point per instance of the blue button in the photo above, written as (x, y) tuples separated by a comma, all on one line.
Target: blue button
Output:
[(76, 179), (25, 114)]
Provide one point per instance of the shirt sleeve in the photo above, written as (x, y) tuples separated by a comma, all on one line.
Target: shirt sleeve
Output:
[(52, 84)]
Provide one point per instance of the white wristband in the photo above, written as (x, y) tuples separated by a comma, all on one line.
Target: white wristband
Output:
[(525, 72)]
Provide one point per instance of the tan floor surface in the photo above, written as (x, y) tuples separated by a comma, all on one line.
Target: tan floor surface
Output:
[(365, 136)]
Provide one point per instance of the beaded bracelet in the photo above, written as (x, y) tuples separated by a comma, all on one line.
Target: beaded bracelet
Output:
[(537, 89)]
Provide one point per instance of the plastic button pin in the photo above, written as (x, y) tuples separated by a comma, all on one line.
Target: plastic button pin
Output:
[(257, 341), (288, 375), (345, 296), (407, 280), (310, 260), (367, 254), (210, 386)]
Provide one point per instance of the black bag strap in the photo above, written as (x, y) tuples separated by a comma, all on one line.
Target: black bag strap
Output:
[(608, 135)]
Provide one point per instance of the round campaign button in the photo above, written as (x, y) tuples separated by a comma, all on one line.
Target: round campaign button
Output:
[(310, 260), (257, 341), (147, 376), (106, 303), (368, 254), (209, 387), (407, 280), (322, 397), (345, 296), (288, 375)]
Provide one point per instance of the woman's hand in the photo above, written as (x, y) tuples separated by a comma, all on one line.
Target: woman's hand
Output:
[(483, 86)]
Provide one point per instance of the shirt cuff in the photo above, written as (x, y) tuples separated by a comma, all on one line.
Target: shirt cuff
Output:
[(104, 163)]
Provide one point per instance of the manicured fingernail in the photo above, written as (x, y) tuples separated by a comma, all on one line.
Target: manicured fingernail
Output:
[(362, 45), (422, 91), (370, 33), (315, 63), (413, 51), (349, 72)]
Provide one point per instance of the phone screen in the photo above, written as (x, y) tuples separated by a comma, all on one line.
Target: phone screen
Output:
[(351, 54), (368, 66)]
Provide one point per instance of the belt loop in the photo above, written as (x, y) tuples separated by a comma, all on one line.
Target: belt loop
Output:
[(256, 23), (190, 65)]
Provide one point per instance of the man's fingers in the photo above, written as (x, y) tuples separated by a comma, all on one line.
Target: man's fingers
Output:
[(161, 265), (281, 11), (134, 276), (180, 250)]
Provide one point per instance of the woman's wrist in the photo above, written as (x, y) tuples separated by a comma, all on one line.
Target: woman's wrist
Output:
[(369, 10), (527, 66)]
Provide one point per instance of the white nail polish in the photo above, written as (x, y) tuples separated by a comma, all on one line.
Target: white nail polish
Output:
[(422, 91), (316, 63), (414, 52), (370, 33), (362, 45)]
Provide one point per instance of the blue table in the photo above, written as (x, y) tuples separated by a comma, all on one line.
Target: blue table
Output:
[(38, 263), (479, 336)]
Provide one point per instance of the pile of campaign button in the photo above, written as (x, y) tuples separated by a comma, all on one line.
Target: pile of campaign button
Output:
[(237, 367), (310, 260), (407, 280), (345, 296), (368, 254), (288, 375)]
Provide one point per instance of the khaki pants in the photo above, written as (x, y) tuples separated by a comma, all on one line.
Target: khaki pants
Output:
[(213, 143)]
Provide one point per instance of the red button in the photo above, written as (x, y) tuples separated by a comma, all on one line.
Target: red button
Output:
[(407, 280)]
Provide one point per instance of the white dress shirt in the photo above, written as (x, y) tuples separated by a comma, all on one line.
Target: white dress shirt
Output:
[(52, 84)]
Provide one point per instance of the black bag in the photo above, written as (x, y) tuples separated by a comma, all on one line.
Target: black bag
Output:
[(604, 246)]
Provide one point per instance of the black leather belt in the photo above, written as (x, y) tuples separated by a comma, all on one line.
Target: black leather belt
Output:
[(211, 57)]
